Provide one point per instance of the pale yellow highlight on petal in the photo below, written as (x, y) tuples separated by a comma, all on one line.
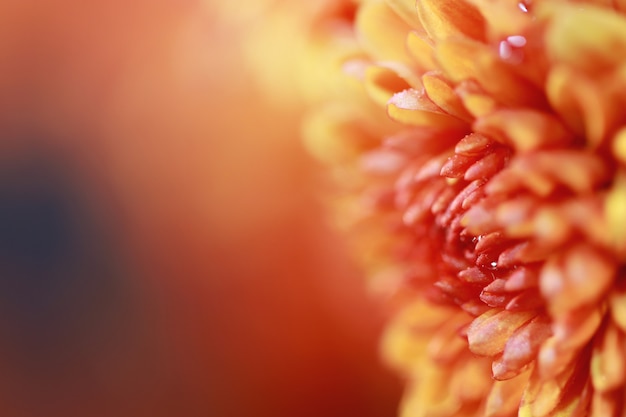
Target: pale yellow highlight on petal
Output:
[(618, 146), (615, 212), (608, 361), (504, 17), (599, 47), (430, 395), (406, 10), (617, 303), (580, 102), (470, 380), (406, 339), (336, 134), (421, 51)]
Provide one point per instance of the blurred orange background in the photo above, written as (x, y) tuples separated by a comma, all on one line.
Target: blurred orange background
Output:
[(164, 249)]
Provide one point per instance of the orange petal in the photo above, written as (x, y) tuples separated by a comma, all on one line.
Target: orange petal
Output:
[(571, 333), (605, 404), (466, 60), (581, 278), (523, 129), (555, 396), (522, 348), (488, 334), (444, 18), (472, 144)]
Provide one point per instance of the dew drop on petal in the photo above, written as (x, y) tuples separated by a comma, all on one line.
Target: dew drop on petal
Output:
[(523, 7), (516, 41), (505, 50)]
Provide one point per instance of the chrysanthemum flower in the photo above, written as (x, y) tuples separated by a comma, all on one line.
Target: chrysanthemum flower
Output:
[(492, 208)]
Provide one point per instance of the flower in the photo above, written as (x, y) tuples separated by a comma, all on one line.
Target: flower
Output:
[(481, 170)]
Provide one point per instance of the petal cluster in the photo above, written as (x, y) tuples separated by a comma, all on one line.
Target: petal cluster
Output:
[(483, 178)]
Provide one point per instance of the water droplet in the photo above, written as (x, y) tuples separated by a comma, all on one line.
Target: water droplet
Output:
[(494, 265), (517, 41), (523, 7), (510, 49), (505, 50)]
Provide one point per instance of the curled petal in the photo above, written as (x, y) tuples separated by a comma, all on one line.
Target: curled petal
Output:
[(442, 93)]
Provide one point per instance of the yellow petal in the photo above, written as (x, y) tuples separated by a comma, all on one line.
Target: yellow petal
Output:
[(615, 211), (445, 18), (505, 396), (618, 146), (586, 109), (381, 83), (382, 32), (505, 17), (421, 51), (443, 95), (608, 362), (617, 303), (599, 47), (406, 10)]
